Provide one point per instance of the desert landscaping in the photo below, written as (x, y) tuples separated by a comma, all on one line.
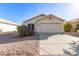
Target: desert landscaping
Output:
[(12, 44)]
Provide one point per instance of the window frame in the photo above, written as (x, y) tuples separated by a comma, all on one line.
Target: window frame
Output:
[(31, 27)]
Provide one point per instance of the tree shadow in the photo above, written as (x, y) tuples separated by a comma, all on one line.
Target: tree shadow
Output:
[(74, 51)]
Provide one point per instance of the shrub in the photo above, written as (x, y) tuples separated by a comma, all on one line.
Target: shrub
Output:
[(77, 25), (30, 32), (67, 27), (77, 28), (22, 30)]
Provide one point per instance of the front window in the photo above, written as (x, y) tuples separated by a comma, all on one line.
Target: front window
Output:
[(31, 26)]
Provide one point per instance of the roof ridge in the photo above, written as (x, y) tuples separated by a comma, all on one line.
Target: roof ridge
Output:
[(35, 17)]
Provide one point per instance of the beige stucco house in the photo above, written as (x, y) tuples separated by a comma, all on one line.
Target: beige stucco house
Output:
[(45, 24), (7, 26), (74, 23)]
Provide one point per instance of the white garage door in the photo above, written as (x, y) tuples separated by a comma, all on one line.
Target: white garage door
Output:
[(49, 28)]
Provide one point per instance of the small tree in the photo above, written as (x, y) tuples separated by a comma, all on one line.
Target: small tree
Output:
[(67, 27), (22, 30), (77, 27)]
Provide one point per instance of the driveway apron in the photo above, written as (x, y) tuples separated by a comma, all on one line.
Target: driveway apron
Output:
[(57, 44)]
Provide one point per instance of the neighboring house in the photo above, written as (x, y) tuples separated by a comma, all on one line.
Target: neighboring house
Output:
[(7, 26), (74, 23), (45, 24)]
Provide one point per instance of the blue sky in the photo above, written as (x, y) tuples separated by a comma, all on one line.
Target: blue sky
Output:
[(18, 12)]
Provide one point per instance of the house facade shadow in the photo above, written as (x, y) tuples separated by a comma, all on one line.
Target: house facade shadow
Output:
[(45, 36)]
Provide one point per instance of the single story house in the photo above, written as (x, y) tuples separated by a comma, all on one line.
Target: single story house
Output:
[(74, 23), (7, 26), (45, 24)]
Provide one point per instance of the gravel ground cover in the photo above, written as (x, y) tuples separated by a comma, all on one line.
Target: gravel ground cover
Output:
[(12, 44)]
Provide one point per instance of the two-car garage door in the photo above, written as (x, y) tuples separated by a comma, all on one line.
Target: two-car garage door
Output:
[(50, 28)]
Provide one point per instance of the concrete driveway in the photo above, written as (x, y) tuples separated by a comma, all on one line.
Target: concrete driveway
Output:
[(58, 44)]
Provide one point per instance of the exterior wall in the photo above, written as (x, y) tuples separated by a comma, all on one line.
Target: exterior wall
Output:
[(47, 20), (49, 28), (7, 27), (33, 21), (73, 26), (52, 21), (41, 20)]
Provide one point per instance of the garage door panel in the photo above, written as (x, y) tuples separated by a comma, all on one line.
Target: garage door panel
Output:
[(49, 28)]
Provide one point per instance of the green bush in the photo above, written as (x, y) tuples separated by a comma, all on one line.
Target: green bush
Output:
[(77, 28), (67, 27), (22, 30)]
